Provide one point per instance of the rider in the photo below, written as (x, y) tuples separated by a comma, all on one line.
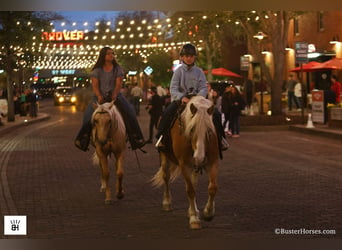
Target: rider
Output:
[(106, 79), (187, 80)]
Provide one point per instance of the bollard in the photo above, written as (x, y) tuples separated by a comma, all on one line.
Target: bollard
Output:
[(309, 123)]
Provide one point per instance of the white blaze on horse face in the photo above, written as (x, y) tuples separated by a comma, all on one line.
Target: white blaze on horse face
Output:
[(199, 152), (102, 124)]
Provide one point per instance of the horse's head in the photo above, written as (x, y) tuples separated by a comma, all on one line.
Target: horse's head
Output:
[(199, 126), (102, 122)]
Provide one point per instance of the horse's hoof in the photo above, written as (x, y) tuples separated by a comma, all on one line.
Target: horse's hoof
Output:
[(208, 217), (208, 214), (120, 196), (108, 202), (195, 225), (167, 207)]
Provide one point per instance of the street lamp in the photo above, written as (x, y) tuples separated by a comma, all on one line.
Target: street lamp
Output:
[(260, 35)]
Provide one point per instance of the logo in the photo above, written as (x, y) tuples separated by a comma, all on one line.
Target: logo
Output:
[(15, 225)]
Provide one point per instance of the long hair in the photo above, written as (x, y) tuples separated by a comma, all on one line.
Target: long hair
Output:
[(102, 58)]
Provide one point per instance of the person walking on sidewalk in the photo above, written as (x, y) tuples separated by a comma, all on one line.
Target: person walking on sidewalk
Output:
[(226, 109), (106, 79), (238, 104), (155, 109), (136, 93), (336, 87), (291, 83)]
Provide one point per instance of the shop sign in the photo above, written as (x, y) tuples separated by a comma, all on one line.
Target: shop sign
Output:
[(244, 63), (63, 72), (301, 52), (318, 106), (63, 36)]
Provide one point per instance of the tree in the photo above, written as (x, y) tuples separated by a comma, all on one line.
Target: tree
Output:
[(275, 24), (160, 62), (204, 28), (19, 35)]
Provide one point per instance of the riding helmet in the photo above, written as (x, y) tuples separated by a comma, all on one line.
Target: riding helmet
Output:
[(188, 49)]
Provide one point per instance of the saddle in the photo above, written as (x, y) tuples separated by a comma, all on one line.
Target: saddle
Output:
[(167, 140)]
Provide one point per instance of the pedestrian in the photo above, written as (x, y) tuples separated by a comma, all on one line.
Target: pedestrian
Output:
[(136, 93), (298, 95), (290, 92), (155, 109), (166, 98), (22, 101), (160, 90), (106, 79), (226, 109), (249, 92), (32, 100), (187, 80), (336, 87), (237, 104)]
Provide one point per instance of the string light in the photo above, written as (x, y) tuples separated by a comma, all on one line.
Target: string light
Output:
[(78, 54)]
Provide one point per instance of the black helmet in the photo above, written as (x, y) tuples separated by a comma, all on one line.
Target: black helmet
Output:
[(188, 49)]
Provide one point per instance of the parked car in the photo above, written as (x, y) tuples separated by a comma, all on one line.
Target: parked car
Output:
[(64, 95)]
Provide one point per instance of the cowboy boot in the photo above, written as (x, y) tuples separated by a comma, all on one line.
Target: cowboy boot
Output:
[(83, 138)]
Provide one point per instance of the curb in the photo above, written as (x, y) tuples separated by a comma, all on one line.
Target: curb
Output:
[(18, 124), (316, 131)]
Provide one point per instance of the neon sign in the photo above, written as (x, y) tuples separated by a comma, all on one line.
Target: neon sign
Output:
[(63, 72), (63, 36)]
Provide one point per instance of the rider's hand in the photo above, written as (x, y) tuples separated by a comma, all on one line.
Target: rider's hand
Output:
[(100, 99), (185, 100)]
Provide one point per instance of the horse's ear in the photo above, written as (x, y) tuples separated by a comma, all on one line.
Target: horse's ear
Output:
[(211, 110), (111, 104), (193, 108)]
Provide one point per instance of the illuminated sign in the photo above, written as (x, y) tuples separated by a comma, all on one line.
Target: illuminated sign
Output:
[(63, 72), (148, 70), (301, 52), (63, 36), (132, 73)]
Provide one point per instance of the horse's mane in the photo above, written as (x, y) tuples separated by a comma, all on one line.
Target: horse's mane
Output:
[(201, 121), (113, 112)]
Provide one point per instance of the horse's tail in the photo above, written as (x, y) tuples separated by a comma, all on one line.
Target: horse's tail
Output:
[(173, 171)]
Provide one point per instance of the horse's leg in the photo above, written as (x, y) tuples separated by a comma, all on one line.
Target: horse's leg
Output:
[(119, 175), (165, 168), (105, 178), (209, 209), (194, 220)]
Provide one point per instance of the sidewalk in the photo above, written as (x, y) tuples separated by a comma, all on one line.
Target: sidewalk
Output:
[(319, 129), (20, 121)]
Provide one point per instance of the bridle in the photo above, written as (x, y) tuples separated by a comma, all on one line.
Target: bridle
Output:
[(112, 126)]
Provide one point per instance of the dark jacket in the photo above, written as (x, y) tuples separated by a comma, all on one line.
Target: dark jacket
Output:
[(157, 106)]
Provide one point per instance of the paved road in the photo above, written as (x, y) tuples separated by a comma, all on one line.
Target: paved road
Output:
[(268, 180)]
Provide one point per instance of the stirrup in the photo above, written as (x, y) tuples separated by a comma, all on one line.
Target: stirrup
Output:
[(158, 143)]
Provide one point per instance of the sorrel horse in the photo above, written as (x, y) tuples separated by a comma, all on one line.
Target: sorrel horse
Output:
[(109, 136), (194, 148)]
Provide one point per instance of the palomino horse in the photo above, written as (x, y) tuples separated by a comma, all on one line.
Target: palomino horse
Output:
[(109, 136), (194, 148)]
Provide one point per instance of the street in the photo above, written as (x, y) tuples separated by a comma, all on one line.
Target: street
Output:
[(271, 183)]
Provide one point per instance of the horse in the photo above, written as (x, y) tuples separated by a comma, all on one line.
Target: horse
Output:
[(194, 147), (109, 136)]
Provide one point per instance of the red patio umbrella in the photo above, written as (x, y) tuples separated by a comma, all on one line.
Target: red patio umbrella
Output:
[(307, 67), (224, 72), (335, 63)]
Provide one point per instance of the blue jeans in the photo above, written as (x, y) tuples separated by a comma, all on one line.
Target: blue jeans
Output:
[(291, 97)]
